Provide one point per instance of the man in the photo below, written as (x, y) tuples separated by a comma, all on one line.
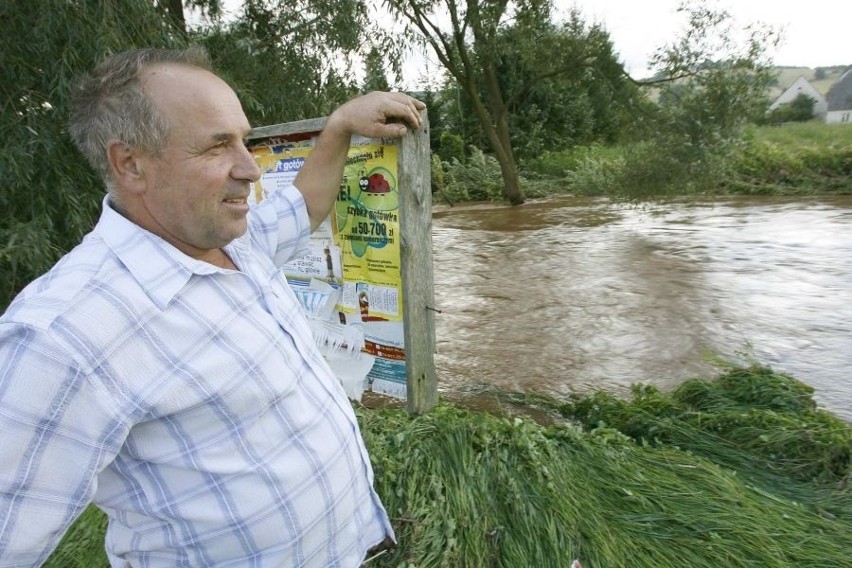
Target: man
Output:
[(163, 369)]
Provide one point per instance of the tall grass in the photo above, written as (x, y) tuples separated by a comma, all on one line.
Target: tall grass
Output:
[(812, 134), (83, 544), (794, 159), (741, 471), (791, 159)]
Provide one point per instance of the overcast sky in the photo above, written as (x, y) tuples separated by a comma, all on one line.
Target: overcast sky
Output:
[(816, 33)]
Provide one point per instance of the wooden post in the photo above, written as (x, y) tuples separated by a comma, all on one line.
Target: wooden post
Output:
[(415, 212)]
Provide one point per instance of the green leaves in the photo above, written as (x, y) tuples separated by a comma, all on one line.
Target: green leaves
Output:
[(49, 196), (279, 56)]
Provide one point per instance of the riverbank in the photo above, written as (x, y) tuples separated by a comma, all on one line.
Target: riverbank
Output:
[(743, 470), (794, 159), (791, 159)]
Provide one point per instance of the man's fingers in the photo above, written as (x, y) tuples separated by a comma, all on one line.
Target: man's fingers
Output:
[(390, 129), (407, 109), (380, 114)]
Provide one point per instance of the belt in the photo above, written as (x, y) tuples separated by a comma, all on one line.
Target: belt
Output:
[(386, 545)]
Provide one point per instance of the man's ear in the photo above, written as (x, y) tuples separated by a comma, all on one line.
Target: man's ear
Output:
[(126, 166)]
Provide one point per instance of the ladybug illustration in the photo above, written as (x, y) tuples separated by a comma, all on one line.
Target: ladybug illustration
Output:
[(378, 184)]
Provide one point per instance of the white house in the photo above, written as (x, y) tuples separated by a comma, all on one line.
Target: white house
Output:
[(839, 99), (802, 87)]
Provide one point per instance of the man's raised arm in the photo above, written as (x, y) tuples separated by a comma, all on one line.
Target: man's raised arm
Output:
[(375, 115)]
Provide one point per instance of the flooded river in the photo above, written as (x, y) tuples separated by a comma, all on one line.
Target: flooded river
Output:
[(567, 295)]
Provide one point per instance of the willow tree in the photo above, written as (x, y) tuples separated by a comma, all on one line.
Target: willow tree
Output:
[(292, 59), (593, 103), (48, 194), (466, 38), (712, 79), (277, 54), (175, 11)]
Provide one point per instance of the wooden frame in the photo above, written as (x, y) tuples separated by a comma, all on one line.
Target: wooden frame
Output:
[(415, 211)]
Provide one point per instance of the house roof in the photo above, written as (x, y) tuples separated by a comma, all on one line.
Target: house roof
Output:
[(800, 86), (839, 96)]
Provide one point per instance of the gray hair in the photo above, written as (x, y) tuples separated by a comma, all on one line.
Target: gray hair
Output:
[(108, 103)]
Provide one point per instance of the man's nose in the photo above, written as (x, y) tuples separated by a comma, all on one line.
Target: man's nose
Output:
[(246, 167)]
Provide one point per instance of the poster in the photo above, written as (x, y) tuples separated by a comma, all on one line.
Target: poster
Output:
[(355, 252)]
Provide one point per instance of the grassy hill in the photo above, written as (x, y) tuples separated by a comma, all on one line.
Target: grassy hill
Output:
[(788, 75)]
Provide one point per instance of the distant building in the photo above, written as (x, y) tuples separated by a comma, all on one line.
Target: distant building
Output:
[(802, 87), (839, 99)]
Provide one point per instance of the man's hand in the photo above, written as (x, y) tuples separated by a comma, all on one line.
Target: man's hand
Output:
[(375, 115)]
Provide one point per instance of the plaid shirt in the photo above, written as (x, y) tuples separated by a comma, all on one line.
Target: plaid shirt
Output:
[(189, 402)]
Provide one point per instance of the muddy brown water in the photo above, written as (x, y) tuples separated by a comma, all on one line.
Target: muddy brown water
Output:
[(568, 295)]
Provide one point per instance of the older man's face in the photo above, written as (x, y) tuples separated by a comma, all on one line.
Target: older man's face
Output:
[(197, 188)]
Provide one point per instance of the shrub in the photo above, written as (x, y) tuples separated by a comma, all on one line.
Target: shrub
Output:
[(451, 147), (477, 179)]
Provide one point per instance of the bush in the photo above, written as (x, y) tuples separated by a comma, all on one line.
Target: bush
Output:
[(451, 147), (800, 109), (477, 179), (437, 173), (793, 159), (563, 163)]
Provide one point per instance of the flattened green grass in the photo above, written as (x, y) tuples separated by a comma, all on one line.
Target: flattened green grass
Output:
[(740, 471)]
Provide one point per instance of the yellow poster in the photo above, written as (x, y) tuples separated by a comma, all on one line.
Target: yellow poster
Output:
[(365, 225), (355, 252), (279, 164)]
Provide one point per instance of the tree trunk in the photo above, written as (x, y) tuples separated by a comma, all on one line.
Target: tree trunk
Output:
[(500, 140), (174, 10), (506, 158)]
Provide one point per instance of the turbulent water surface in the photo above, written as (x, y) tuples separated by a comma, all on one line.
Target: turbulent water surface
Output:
[(567, 295)]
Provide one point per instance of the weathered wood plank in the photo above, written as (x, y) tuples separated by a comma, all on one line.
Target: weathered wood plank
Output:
[(308, 126), (415, 211)]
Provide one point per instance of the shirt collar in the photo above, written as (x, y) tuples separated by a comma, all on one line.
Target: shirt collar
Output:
[(159, 268)]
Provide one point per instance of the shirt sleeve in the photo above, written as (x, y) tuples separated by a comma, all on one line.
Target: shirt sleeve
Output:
[(57, 434), (280, 224)]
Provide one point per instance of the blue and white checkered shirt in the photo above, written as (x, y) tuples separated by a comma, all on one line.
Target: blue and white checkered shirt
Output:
[(189, 402)]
